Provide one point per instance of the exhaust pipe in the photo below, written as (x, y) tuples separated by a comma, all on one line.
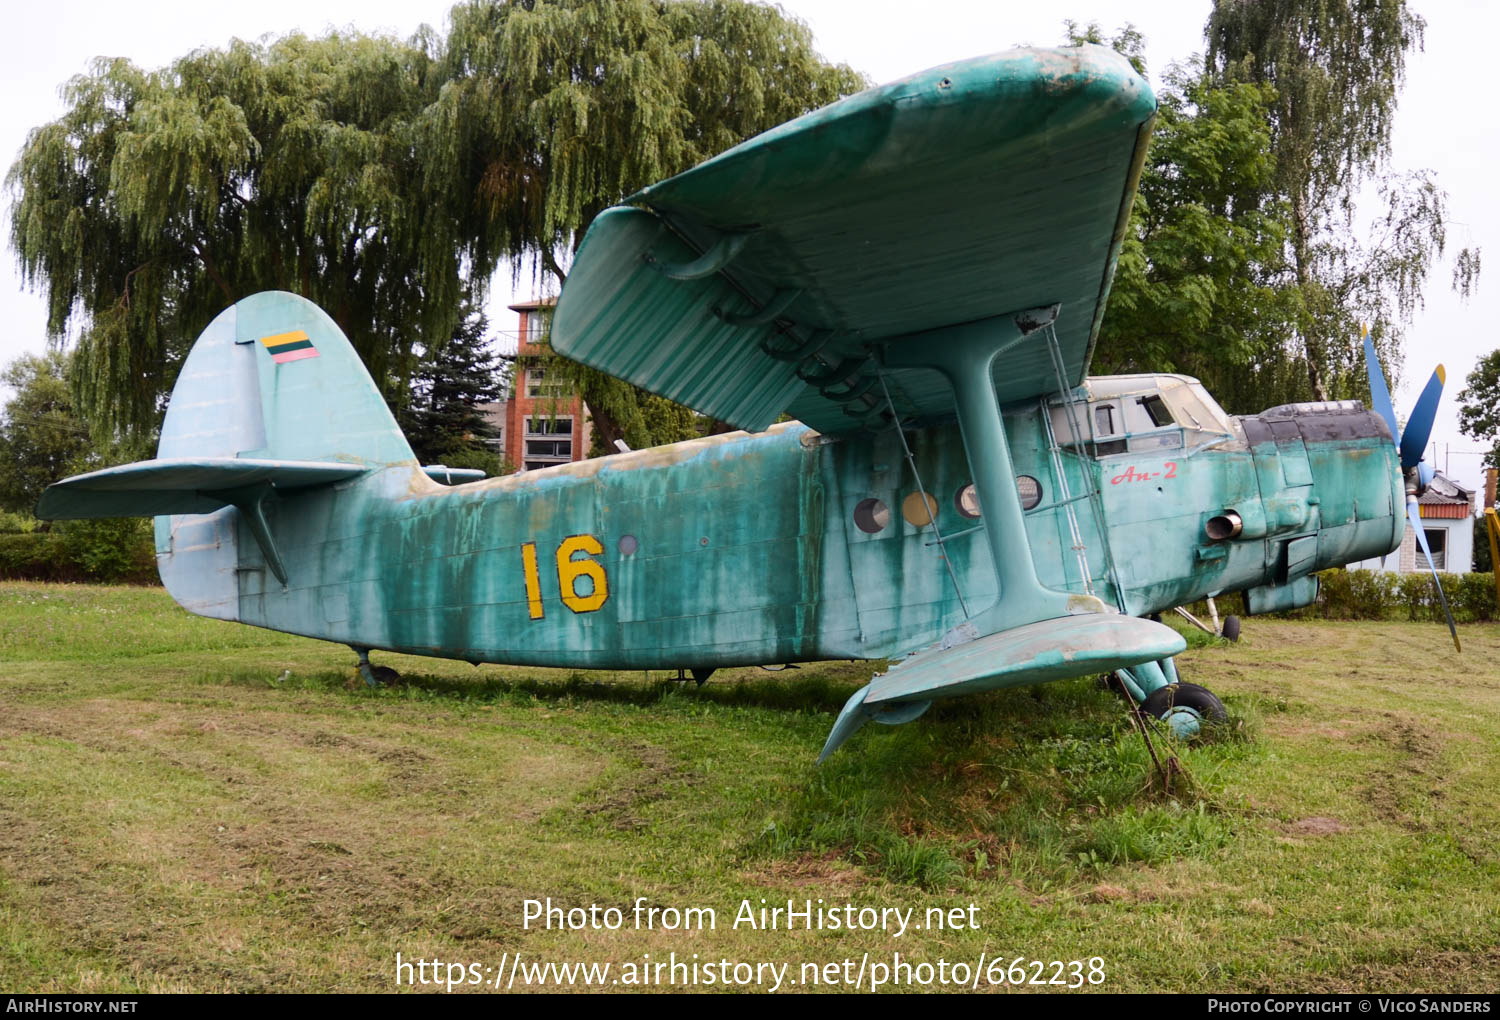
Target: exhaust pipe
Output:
[(1225, 525)]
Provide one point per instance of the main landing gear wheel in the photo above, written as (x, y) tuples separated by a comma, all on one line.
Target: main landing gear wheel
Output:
[(1184, 707)]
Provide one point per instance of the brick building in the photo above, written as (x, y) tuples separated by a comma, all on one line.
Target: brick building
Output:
[(543, 420)]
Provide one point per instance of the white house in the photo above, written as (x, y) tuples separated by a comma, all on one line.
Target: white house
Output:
[(1447, 510)]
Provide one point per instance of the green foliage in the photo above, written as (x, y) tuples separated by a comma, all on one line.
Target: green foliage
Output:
[(1413, 591), (1381, 595), (1483, 559), (1336, 68), (31, 556), (17, 523), (160, 197), (1479, 408), (569, 106), (112, 551), (1384, 595), (41, 436), (443, 420), (384, 180), (1200, 283), (1476, 597)]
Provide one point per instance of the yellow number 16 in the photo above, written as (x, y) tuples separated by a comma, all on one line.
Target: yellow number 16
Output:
[(569, 570)]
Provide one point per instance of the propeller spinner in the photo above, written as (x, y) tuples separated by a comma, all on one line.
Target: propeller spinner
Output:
[(1411, 442)]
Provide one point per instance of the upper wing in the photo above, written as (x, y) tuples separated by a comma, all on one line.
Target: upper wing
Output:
[(766, 280)]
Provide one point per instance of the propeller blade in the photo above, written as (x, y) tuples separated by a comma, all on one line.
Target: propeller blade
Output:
[(1380, 393), (1413, 514), (1419, 425)]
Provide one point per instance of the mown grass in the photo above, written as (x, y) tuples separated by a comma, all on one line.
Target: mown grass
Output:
[(190, 805)]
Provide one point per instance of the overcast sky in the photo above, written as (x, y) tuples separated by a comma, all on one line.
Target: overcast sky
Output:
[(1445, 123)]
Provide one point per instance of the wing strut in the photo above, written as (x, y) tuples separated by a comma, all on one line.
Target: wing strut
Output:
[(965, 356)]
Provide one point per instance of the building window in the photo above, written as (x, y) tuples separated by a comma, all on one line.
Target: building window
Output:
[(1437, 541), (536, 327), (540, 385), (562, 425), (548, 440)]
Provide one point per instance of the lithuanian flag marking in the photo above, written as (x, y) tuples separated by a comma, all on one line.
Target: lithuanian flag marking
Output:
[(293, 346)]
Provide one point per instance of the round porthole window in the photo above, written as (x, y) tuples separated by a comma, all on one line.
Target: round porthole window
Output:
[(919, 509), (871, 516), (1030, 491), (966, 501), (628, 544)]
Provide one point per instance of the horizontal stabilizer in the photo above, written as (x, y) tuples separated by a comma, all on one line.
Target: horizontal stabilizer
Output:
[(150, 488), (1038, 652)]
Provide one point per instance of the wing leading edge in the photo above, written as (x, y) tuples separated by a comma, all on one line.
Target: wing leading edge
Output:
[(768, 279)]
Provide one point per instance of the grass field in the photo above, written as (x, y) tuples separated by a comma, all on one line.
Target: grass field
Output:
[(192, 805)]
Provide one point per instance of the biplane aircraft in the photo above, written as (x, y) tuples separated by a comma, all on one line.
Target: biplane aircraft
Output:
[(896, 298)]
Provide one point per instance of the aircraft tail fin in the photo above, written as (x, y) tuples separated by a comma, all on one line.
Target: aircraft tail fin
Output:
[(272, 399), (273, 377), (271, 395)]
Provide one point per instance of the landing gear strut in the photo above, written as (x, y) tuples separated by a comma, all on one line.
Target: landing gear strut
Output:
[(1157, 689), (374, 676), (1229, 629)]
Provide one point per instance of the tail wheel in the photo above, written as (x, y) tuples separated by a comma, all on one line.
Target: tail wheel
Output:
[(1231, 628), (1184, 707)]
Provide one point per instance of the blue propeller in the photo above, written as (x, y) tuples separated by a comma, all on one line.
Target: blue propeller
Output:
[(1411, 442)]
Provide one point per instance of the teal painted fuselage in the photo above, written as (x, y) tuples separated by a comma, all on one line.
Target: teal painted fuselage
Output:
[(790, 546)]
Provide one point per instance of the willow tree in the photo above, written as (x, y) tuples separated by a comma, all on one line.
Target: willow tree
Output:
[(564, 107), (1337, 67), (384, 180), (160, 197)]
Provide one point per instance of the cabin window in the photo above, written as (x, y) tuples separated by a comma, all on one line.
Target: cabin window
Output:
[(871, 516), (966, 501), (1104, 420), (1030, 491), (919, 509)]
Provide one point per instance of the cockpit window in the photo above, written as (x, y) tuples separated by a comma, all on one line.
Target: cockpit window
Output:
[(1157, 409), (1138, 413)]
